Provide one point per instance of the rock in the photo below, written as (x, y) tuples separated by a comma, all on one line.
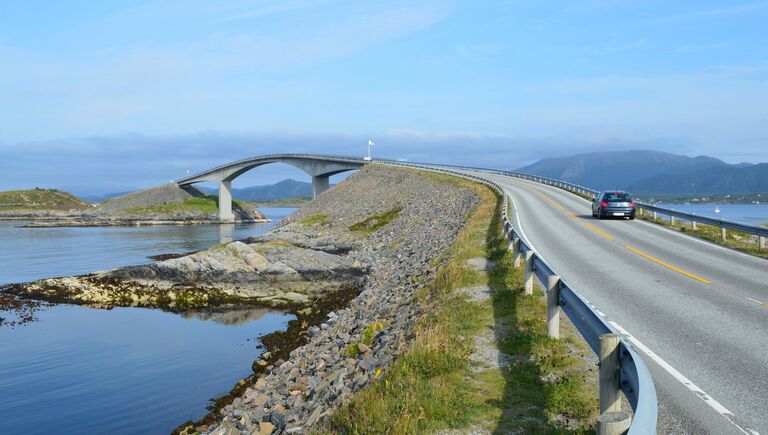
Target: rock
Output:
[(277, 419), (363, 348), (266, 428)]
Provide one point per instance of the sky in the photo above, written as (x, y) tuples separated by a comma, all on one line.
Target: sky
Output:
[(98, 97)]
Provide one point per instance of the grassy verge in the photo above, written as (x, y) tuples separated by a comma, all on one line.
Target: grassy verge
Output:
[(738, 240), (286, 202), (436, 385), (207, 204)]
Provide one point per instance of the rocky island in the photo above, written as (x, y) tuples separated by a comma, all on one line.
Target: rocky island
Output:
[(168, 204), (362, 249)]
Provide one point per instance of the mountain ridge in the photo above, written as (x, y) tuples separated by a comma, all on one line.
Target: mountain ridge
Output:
[(648, 171)]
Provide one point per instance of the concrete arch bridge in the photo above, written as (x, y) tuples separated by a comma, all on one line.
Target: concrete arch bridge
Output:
[(319, 167)]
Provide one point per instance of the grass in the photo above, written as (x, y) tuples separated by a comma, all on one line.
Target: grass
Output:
[(433, 384), (316, 219), (207, 204), (738, 240), (372, 223), (39, 199), (285, 202)]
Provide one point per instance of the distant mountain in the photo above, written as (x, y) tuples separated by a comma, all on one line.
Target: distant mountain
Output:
[(732, 179), (288, 188), (620, 169)]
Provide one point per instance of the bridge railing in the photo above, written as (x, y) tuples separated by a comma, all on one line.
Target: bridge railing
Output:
[(621, 367)]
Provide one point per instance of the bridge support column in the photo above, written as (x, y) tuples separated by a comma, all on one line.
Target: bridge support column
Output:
[(320, 184), (225, 202)]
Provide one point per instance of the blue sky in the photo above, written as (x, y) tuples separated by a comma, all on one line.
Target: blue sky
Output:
[(137, 92)]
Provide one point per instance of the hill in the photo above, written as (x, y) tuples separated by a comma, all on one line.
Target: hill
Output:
[(40, 200), (654, 172), (288, 188), (730, 179), (171, 200), (620, 169)]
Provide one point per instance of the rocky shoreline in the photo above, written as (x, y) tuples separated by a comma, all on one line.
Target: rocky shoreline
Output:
[(373, 239)]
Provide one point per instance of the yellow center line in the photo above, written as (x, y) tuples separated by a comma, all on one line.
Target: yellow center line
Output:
[(669, 266), (552, 201), (595, 229)]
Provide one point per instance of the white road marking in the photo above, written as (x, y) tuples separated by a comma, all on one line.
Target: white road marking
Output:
[(755, 300), (714, 404)]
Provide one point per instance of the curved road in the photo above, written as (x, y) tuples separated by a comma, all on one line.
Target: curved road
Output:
[(697, 312)]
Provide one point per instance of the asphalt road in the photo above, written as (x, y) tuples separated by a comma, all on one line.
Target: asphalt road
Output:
[(697, 312)]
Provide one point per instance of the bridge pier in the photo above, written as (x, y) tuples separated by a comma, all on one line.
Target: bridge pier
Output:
[(225, 202), (320, 184)]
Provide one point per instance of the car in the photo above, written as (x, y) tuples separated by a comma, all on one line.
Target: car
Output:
[(613, 204)]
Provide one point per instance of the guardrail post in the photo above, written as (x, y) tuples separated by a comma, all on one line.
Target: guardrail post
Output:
[(612, 420), (723, 233), (654, 215), (553, 306), (516, 254), (610, 390), (671, 219), (762, 243), (613, 423), (528, 281), (693, 225), (642, 211)]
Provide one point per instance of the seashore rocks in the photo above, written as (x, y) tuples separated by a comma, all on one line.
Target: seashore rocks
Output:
[(378, 233)]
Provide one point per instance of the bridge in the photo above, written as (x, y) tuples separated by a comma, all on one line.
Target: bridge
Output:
[(693, 312), (319, 167)]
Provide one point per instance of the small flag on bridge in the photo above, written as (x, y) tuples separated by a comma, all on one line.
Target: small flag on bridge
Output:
[(370, 143)]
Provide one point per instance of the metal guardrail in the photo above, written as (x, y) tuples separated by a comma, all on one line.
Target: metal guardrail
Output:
[(621, 367), (761, 232)]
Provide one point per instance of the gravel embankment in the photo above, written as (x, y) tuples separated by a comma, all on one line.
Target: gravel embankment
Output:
[(294, 395)]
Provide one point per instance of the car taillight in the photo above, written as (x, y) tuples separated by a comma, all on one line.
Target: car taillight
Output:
[(632, 204), (603, 204)]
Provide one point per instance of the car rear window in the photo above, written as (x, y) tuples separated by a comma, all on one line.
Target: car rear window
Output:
[(617, 197)]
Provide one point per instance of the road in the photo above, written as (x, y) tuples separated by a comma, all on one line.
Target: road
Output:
[(696, 312)]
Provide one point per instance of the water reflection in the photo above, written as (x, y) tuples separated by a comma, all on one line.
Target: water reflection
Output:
[(226, 232), (232, 317)]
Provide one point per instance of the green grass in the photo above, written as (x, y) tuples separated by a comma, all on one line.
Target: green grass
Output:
[(373, 223), (433, 386), (316, 219), (738, 240), (39, 199), (207, 204)]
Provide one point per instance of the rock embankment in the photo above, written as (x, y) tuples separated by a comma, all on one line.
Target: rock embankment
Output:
[(351, 348), (380, 231)]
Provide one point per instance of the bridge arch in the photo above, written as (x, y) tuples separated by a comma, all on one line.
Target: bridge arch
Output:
[(319, 167)]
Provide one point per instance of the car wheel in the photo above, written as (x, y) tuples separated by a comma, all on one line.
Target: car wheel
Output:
[(632, 217), (600, 215)]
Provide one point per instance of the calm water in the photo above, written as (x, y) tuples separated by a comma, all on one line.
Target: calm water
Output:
[(28, 254), (126, 370), (742, 213)]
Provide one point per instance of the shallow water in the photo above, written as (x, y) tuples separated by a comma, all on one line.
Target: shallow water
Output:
[(125, 370), (27, 254)]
